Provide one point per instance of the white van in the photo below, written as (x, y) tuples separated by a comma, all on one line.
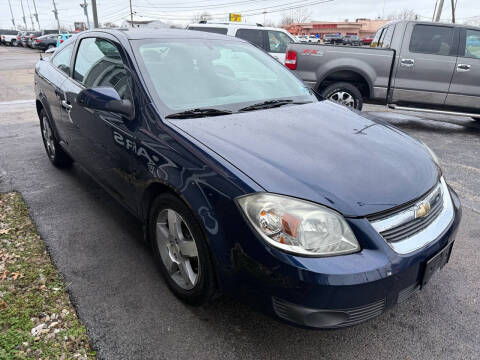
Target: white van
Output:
[(272, 40)]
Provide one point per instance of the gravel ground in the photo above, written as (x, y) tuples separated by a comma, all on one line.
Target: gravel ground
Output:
[(129, 312)]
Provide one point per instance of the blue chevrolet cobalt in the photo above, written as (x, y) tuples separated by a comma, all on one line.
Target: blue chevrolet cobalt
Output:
[(246, 182)]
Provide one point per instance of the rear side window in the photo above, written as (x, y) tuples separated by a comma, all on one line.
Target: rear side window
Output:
[(278, 42), (377, 37), (429, 39), (62, 59), (215, 30), (99, 63), (386, 38), (251, 35), (472, 44)]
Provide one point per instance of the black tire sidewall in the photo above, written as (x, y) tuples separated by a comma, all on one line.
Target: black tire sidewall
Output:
[(205, 287), (60, 159), (346, 87)]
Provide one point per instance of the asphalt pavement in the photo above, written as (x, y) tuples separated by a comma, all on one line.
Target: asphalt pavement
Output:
[(129, 311)]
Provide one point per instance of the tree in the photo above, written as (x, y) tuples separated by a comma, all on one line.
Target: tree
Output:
[(405, 14), (296, 16), (204, 16)]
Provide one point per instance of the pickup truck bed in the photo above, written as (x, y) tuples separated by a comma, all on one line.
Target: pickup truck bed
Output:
[(419, 66)]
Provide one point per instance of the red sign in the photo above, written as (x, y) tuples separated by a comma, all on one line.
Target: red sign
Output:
[(324, 26)]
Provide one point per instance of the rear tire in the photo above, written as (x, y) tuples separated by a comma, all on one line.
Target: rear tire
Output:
[(181, 250), (55, 152), (345, 94)]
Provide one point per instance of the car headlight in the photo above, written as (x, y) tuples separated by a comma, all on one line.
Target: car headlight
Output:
[(298, 226)]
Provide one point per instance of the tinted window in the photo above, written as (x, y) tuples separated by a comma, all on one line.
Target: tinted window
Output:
[(99, 63), (377, 37), (62, 59), (251, 35), (387, 36), (472, 44), (432, 39), (278, 41), (214, 30)]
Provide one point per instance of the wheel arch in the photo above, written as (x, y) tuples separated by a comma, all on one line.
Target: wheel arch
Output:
[(349, 75)]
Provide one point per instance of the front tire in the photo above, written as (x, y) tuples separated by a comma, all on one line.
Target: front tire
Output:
[(55, 153), (180, 250), (345, 94)]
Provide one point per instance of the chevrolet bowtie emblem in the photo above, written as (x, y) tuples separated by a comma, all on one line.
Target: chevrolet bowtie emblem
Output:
[(422, 209)]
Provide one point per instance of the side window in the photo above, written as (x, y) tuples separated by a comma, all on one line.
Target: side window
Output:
[(251, 35), (99, 63), (472, 44), (62, 59), (387, 37), (430, 39), (377, 37), (214, 30), (278, 41)]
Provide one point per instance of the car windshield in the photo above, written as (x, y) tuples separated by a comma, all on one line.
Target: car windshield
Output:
[(224, 75)]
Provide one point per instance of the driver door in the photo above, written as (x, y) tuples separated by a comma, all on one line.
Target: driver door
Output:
[(99, 63)]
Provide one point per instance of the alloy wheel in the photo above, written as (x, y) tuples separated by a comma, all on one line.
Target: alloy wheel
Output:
[(343, 97), (178, 249), (47, 135)]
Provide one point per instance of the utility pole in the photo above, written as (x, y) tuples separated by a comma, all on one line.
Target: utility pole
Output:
[(55, 12), (11, 12), (94, 13), (131, 14), (36, 14), (23, 17), (454, 4), (438, 11), (85, 10), (31, 17)]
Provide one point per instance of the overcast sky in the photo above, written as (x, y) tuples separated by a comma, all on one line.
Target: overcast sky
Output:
[(181, 11)]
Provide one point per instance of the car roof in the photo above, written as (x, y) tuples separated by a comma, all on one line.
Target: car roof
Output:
[(236, 25), (138, 34)]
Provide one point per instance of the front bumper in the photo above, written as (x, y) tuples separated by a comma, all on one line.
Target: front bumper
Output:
[(335, 291)]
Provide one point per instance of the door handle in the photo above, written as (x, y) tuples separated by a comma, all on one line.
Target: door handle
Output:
[(463, 67), (66, 105), (407, 62)]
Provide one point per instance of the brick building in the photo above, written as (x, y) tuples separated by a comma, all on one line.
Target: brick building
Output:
[(360, 27)]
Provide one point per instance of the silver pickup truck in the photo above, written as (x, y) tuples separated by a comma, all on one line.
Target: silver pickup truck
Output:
[(419, 66)]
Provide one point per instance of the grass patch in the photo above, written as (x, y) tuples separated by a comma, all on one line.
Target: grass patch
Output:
[(37, 319)]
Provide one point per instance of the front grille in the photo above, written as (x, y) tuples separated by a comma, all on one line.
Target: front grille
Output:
[(414, 226), (403, 223)]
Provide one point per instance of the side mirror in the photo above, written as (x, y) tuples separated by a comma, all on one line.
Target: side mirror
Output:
[(106, 99)]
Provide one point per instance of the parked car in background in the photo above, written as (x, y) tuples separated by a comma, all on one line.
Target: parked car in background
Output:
[(8, 37), (244, 180), (22, 38), (31, 38), (272, 40), (421, 66), (335, 39), (353, 40), (61, 38), (313, 39), (45, 42), (367, 40)]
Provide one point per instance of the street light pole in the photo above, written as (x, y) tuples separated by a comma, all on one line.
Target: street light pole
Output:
[(438, 11), (11, 12), (453, 11), (36, 14), (55, 12), (85, 10), (94, 13), (23, 17), (131, 14)]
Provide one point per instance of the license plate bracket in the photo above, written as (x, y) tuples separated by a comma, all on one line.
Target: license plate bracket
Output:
[(438, 261)]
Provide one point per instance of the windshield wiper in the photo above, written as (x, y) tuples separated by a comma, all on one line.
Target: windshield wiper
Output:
[(195, 113), (271, 104)]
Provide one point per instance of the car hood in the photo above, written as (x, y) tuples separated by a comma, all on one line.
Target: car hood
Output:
[(321, 152)]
